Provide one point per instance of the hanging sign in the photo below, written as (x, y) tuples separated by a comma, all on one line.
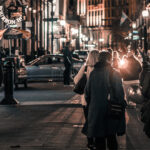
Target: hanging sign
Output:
[(7, 20)]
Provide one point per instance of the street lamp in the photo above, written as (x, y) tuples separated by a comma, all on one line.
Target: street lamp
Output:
[(134, 25), (62, 23), (145, 14)]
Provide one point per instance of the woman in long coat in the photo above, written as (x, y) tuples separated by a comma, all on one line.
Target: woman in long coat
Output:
[(99, 126)]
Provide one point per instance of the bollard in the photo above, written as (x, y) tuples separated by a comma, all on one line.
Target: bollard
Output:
[(8, 83)]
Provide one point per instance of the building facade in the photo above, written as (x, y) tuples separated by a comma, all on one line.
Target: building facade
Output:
[(103, 20), (50, 23)]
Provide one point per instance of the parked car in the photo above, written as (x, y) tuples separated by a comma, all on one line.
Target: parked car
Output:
[(82, 54), (47, 68)]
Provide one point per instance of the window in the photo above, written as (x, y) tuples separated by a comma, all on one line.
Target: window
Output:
[(106, 3), (92, 13), (124, 2), (108, 12), (127, 11), (93, 2), (113, 3), (119, 2), (95, 13), (113, 12), (100, 1), (96, 2)]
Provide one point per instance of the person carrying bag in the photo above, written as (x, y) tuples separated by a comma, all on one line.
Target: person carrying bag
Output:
[(99, 125), (80, 83)]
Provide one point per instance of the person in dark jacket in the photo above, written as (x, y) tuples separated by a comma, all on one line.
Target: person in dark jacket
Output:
[(99, 125), (67, 52), (146, 86)]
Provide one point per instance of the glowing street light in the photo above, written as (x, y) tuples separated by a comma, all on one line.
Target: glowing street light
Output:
[(62, 22), (134, 25), (101, 40), (145, 14)]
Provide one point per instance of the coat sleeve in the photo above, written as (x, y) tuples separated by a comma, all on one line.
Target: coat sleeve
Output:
[(87, 91), (118, 88), (79, 74), (146, 82)]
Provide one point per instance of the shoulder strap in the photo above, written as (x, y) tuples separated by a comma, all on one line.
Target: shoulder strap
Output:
[(111, 89)]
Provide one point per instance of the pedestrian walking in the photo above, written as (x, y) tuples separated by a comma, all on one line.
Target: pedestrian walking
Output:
[(130, 72), (87, 68), (67, 52), (99, 126)]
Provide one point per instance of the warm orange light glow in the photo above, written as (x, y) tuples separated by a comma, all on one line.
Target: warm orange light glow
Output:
[(122, 62)]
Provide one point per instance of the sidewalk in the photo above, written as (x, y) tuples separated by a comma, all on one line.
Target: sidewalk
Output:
[(58, 127)]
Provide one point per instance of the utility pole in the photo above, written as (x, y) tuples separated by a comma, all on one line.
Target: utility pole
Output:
[(47, 28), (41, 26), (52, 35), (24, 43)]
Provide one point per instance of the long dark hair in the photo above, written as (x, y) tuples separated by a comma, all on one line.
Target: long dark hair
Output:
[(104, 56)]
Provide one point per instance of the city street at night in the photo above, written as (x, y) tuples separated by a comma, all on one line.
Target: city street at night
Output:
[(50, 117), (74, 75)]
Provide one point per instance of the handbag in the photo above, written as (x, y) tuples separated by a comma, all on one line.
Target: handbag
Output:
[(115, 109), (79, 87)]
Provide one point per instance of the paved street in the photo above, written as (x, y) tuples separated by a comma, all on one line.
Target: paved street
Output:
[(42, 93), (50, 117)]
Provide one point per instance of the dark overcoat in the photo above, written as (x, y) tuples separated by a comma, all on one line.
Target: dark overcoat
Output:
[(96, 95), (146, 86)]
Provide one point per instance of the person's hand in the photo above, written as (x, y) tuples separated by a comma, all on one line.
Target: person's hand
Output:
[(141, 50)]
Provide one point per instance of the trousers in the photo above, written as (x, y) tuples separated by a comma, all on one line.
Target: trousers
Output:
[(112, 143)]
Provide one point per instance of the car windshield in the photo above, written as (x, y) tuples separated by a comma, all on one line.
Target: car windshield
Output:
[(33, 61), (47, 60)]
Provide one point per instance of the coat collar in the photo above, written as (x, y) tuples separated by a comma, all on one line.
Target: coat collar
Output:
[(101, 65)]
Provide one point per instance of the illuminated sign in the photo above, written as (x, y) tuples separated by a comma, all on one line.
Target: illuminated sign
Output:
[(135, 32), (9, 21), (136, 37)]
